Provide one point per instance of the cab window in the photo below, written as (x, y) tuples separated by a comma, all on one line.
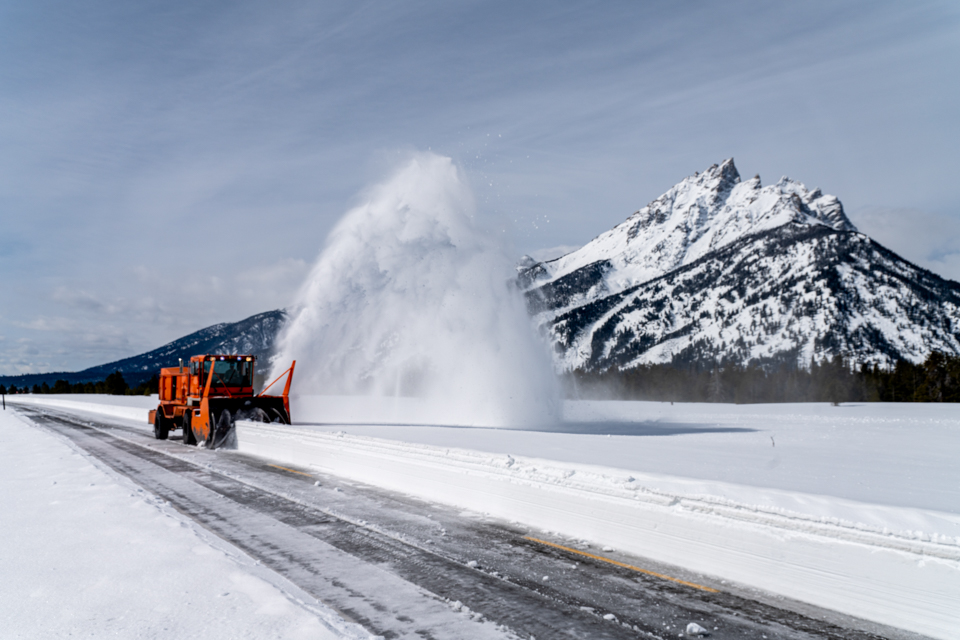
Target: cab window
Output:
[(231, 373)]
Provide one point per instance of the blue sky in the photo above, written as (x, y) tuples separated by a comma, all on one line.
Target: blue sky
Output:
[(168, 165)]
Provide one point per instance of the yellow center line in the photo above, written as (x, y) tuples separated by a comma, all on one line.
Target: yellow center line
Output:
[(622, 564), (276, 466)]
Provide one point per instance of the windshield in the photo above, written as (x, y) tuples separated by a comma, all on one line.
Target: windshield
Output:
[(231, 373)]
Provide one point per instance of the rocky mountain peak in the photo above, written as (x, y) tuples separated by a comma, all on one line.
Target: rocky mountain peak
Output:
[(721, 270), (719, 177), (700, 214)]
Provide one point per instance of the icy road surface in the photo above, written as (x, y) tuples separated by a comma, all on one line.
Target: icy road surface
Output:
[(405, 568), (87, 553)]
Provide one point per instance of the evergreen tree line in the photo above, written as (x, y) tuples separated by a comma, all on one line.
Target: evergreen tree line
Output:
[(114, 385), (935, 380)]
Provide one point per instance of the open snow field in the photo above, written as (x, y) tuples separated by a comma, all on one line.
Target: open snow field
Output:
[(855, 508), (880, 453), (87, 553)]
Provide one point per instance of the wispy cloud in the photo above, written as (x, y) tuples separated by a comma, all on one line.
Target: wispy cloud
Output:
[(166, 166), (43, 323)]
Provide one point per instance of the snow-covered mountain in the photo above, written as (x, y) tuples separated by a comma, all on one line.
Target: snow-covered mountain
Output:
[(254, 335), (723, 269), (702, 213)]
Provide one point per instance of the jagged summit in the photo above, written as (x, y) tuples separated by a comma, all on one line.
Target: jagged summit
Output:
[(700, 214), (719, 178), (719, 269)]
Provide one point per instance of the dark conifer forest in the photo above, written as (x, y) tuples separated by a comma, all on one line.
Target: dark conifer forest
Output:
[(114, 384), (935, 380)]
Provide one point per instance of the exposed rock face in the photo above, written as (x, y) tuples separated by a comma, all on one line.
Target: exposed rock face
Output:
[(717, 269)]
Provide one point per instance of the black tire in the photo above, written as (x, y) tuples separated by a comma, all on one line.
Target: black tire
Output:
[(212, 429), (188, 436), (161, 428), (223, 434)]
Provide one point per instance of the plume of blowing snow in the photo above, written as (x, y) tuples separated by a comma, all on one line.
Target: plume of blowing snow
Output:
[(411, 298)]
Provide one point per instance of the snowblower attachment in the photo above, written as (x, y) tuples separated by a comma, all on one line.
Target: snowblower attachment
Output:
[(207, 397)]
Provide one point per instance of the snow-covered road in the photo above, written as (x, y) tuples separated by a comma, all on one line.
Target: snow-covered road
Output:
[(88, 553), (854, 508), (400, 566)]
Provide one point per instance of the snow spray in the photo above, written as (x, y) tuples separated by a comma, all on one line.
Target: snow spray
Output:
[(411, 298)]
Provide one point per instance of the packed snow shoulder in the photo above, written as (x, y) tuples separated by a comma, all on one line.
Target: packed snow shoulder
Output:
[(720, 270)]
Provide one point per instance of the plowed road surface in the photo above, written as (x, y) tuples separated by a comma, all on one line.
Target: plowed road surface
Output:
[(403, 568)]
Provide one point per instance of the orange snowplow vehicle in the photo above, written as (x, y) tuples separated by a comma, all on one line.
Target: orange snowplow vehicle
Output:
[(207, 397)]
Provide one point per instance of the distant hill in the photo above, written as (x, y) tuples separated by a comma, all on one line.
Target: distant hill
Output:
[(254, 335)]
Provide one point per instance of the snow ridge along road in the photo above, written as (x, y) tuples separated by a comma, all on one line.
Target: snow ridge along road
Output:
[(909, 583), (405, 569)]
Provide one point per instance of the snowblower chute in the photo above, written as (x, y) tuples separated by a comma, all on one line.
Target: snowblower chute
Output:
[(207, 397)]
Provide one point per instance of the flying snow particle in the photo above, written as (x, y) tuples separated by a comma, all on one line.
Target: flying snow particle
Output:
[(412, 297)]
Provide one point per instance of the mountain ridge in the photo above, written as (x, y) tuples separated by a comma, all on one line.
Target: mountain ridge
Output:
[(699, 214), (253, 335), (601, 310)]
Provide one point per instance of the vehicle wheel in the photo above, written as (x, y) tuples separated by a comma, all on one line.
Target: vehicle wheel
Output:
[(212, 429), (161, 429), (223, 435), (188, 437)]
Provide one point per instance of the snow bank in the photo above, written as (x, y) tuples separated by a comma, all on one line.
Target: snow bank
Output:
[(88, 554), (891, 563), (888, 454)]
